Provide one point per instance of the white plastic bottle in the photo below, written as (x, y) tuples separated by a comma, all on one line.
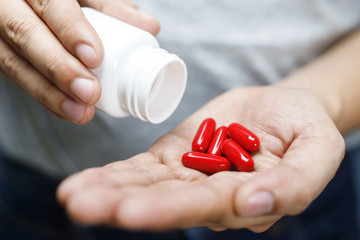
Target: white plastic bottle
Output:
[(138, 78)]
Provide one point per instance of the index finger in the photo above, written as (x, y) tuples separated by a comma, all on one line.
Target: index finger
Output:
[(67, 21)]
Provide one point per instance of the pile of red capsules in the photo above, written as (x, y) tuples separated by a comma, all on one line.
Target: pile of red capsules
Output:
[(215, 151)]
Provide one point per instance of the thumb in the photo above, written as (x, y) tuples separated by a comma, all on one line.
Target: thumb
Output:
[(126, 11), (306, 168)]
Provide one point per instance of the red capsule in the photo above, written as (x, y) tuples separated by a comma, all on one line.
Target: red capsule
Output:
[(244, 137), (205, 162), (237, 156), (204, 135), (219, 137)]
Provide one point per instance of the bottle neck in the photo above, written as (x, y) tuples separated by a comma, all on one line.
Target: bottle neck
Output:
[(152, 85)]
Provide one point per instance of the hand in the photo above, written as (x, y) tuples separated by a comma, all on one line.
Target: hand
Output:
[(46, 47), (300, 151)]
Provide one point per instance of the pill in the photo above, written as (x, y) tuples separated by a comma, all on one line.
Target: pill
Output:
[(204, 135), (238, 156), (206, 162), (244, 137), (217, 140)]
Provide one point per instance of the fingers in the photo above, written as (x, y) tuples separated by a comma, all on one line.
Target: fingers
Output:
[(26, 33), (309, 164), (102, 195), (67, 21), (116, 176), (78, 181), (165, 205), (182, 205), (97, 205), (179, 203), (92, 196), (126, 11), (44, 91)]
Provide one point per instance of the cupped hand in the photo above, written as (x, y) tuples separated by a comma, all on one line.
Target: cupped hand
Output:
[(300, 151), (47, 48)]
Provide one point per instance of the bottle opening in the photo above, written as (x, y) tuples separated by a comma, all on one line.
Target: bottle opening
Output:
[(166, 92)]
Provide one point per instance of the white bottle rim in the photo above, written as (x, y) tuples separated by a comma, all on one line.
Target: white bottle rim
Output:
[(157, 85)]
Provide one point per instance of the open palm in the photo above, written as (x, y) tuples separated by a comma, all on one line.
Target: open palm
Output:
[(299, 154)]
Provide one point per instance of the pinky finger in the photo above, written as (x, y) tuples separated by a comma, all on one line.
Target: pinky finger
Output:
[(20, 71)]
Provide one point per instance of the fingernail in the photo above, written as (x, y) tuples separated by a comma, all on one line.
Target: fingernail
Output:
[(86, 54), (73, 110), (258, 204), (83, 89)]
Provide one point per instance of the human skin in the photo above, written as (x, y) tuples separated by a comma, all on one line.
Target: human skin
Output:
[(299, 122), (131, 193), (47, 48)]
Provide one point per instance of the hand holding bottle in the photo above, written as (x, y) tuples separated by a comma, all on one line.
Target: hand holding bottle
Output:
[(47, 48)]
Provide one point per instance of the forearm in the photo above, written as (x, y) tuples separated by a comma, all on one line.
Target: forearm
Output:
[(335, 79)]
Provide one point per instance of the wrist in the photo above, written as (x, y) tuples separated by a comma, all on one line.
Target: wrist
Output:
[(334, 79), (327, 93)]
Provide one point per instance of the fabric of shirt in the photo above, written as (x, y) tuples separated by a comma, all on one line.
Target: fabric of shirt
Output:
[(225, 44)]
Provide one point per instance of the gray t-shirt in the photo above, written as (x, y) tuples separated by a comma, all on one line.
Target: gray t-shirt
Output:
[(225, 44)]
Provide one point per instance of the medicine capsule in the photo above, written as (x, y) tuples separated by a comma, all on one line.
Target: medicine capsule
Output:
[(204, 135), (206, 162), (244, 137), (217, 140), (238, 156)]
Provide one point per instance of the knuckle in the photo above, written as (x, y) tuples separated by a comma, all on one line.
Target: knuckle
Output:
[(45, 94), (10, 65), (136, 162), (67, 30), (19, 31), (40, 6), (61, 69), (147, 174), (56, 66), (48, 95)]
